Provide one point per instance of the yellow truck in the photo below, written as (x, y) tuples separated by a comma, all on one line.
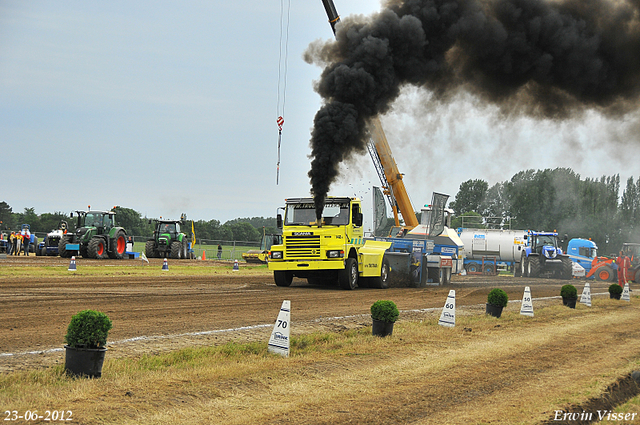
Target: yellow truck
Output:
[(329, 250)]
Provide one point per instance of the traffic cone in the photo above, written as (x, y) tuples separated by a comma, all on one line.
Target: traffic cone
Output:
[(448, 316), (204, 254), (72, 264), (235, 266), (526, 308), (165, 265), (625, 293)]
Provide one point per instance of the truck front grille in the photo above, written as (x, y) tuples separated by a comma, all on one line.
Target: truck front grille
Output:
[(302, 246)]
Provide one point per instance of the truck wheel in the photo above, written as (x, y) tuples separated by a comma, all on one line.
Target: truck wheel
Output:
[(176, 250), (118, 246), (348, 277), (381, 282), (185, 250), (604, 274), (517, 270), (446, 276), (96, 249), (283, 278), (488, 269), (533, 267), (472, 268), (567, 268)]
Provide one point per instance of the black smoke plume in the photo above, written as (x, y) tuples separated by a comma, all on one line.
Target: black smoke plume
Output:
[(530, 57)]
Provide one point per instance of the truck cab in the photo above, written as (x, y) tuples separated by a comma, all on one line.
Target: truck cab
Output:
[(582, 252), (331, 249)]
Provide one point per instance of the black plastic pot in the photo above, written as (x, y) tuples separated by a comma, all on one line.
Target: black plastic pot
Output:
[(614, 296), (382, 328), (569, 302), (84, 361), (494, 310)]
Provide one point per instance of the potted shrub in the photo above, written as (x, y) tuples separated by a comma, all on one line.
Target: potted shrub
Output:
[(496, 301), (86, 343), (384, 314), (569, 295), (615, 291)]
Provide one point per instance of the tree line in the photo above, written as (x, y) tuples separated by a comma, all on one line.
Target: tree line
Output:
[(556, 199), (239, 229)]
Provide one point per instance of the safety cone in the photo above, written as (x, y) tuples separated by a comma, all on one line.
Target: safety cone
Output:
[(526, 309), (72, 264), (165, 265), (448, 316), (204, 254), (585, 298), (625, 293), (235, 266)]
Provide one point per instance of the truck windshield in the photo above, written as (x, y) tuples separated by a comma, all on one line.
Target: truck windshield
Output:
[(305, 214)]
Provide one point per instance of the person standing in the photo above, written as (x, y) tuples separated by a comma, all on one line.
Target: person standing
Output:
[(10, 240), (622, 273), (26, 240), (219, 251), (18, 245)]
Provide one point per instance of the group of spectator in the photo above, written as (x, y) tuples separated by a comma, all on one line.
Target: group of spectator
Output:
[(19, 242)]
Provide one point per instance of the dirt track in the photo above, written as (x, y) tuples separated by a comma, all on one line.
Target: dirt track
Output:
[(164, 312)]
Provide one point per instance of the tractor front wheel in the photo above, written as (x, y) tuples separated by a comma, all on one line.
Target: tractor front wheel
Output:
[(533, 269), (150, 249), (97, 249), (604, 274), (176, 250)]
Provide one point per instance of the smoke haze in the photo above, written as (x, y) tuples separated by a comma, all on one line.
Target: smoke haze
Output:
[(544, 60)]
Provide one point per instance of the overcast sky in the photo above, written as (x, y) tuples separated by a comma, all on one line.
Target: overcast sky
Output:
[(169, 107)]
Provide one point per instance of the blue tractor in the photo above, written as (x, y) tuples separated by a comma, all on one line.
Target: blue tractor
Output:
[(543, 256)]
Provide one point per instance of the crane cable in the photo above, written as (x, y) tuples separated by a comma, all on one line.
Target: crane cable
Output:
[(282, 76)]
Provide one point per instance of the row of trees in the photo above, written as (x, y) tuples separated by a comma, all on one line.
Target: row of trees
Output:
[(239, 229), (550, 199), (557, 199)]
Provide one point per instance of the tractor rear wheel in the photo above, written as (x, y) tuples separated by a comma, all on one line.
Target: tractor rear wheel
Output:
[(176, 250), (524, 267), (517, 270), (97, 249), (118, 246), (567, 268)]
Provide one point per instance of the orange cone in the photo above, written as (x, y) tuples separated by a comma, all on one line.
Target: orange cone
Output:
[(204, 254)]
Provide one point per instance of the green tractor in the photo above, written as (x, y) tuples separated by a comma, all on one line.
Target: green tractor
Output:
[(167, 240), (96, 236)]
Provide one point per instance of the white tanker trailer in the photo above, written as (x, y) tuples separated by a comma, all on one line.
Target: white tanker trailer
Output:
[(503, 245)]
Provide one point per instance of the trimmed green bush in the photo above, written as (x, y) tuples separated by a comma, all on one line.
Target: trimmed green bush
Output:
[(615, 289), (384, 310), (569, 291), (88, 329), (498, 297)]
